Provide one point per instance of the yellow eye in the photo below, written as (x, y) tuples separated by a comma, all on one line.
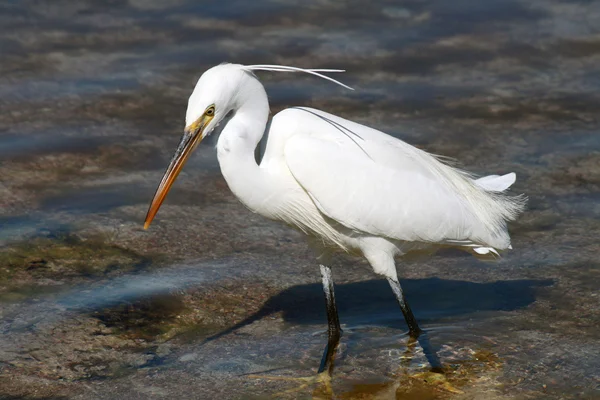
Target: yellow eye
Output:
[(210, 111)]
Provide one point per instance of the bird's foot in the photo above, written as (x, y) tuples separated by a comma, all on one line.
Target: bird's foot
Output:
[(322, 380)]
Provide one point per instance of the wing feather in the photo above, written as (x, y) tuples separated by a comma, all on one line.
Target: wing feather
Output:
[(375, 199), (373, 183)]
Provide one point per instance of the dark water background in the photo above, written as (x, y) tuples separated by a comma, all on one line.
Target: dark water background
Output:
[(92, 103)]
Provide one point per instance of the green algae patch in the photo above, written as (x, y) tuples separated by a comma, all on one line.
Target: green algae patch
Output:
[(43, 264), (190, 315), (153, 318)]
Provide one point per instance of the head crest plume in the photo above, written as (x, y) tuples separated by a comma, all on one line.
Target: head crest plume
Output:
[(283, 68)]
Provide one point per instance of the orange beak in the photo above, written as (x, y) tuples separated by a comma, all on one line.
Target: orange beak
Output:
[(192, 136)]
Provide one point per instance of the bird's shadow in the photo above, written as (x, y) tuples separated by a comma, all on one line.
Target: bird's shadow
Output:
[(373, 303)]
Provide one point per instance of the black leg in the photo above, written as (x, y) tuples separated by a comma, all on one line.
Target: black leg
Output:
[(416, 334), (333, 322), (413, 327)]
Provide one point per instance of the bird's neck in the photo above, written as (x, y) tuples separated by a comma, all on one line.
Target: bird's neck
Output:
[(235, 151)]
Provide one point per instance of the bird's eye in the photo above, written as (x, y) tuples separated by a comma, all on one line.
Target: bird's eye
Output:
[(210, 111)]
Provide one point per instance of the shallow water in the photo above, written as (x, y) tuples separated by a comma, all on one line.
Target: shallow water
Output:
[(93, 98)]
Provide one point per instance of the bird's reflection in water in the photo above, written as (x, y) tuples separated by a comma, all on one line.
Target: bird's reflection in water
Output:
[(322, 382), (435, 365), (430, 354), (424, 383)]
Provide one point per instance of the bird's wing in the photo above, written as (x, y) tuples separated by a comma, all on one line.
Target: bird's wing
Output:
[(373, 183), (371, 198)]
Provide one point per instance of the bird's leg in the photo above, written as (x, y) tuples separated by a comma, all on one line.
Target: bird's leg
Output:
[(413, 327), (334, 333), (416, 334), (333, 322)]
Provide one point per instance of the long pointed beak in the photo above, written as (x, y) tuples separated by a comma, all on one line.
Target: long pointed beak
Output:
[(192, 136)]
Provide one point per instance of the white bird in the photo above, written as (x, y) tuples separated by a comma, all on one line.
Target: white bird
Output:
[(345, 184)]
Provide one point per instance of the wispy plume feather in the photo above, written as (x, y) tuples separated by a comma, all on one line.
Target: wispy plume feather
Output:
[(283, 68)]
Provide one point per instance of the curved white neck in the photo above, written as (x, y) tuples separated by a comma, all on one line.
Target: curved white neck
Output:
[(235, 150)]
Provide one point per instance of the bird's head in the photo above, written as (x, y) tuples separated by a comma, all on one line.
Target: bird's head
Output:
[(217, 93), (220, 91)]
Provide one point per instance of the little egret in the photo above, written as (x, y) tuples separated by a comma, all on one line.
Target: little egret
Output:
[(345, 184)]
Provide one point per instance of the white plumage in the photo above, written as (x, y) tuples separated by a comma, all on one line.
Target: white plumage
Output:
[(344, 183)]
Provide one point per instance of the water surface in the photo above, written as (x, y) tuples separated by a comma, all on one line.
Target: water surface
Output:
[(93, 99)]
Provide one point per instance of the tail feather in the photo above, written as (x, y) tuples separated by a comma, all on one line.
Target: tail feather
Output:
[(496, 183)]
